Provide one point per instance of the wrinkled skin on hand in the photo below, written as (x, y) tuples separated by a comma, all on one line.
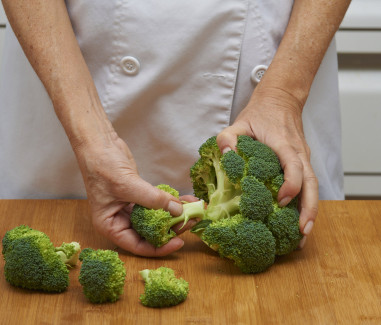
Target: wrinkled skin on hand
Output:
[(274, 117), (113, 185)]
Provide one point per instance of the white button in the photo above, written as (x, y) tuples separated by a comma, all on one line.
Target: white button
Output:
[(258, 72), (130, 65)]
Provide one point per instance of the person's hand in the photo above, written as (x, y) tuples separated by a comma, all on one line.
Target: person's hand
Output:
[(274, 117), (113, 185)]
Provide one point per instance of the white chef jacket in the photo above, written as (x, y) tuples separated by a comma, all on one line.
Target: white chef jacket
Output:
[(169, 74)]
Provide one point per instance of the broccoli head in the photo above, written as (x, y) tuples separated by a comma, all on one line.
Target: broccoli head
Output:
[(32, 261), (102, 275), (162, 288), (243, 220), (155, 225)]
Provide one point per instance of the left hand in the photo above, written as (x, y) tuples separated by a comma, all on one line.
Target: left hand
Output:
[(274, 117)]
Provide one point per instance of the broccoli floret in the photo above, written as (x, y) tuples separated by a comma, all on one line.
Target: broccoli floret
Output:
[(32, 261), (162, 288), (284, 225), (256, 200), (102, 275), (250, 244), (234, 166), (155, 225), (244, 183)]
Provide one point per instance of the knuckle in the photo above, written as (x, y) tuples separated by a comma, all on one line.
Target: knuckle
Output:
[(312, 180)]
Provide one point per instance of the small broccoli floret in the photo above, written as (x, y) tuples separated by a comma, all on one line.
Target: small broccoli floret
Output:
[(32, 261), (168, 189), (204, 178), (247, 148), (234, 166), (155, 225), (284, 225), (102, 275), (263, 170), (256, 200), (249, 243), (69, 253), (162, 288)]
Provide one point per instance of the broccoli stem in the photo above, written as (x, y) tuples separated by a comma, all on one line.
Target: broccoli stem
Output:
[(224, 209), (224, 201), (145, 274), (69, 252), (190, 211)]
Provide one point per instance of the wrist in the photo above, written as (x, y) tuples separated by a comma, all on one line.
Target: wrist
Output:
[(288, 82), (277, 97)]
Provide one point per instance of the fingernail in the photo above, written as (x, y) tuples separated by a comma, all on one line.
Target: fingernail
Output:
[(175, 208), (286, 200), (308, 227), (302, 242), (227, 149), (179, 242)]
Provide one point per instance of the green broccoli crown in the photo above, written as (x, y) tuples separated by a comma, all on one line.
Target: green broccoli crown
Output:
[(31, 261), (162, 288), (245, 183), (102, 275), (250, 244), (155, 225)]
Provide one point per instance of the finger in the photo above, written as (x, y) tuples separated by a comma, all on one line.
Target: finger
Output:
[(143, 193), (180, 228), (302, 242), (129, 240), (227, 139), (118, 230), (293, 174), (309, 200), (189, 198)]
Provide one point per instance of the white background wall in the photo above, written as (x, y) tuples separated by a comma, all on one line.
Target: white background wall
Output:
[(359, 50)]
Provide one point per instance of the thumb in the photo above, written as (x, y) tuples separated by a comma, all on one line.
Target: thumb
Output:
[(227, 139), (146, 195)]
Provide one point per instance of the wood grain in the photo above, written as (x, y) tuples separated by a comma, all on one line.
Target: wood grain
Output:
[(335, 279)]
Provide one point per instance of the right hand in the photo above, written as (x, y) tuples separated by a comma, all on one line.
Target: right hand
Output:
[(113, 184)]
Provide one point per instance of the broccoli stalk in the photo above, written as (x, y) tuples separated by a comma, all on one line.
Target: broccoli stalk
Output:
[(191, 210), (225, 198)]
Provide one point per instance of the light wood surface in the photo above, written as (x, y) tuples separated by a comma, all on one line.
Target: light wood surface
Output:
[(335, 279)]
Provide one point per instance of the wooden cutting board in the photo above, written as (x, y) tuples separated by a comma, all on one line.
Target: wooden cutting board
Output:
[(335, 279)]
